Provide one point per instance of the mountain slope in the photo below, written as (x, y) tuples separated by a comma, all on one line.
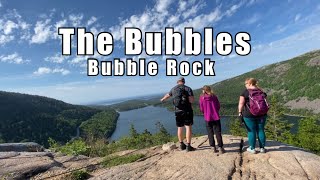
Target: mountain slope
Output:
[(295, 82), (35, 118)]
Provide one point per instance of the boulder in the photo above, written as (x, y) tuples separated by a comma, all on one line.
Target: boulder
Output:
[(21, 147), (23, 165), (169, 146)]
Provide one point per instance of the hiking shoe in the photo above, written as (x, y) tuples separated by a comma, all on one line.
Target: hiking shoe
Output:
[(253, 151), (214, 149), (183, 146), (190, 148), (262, 150), (221, 150)]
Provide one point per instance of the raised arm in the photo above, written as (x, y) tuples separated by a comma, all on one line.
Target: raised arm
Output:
[(165, 97)]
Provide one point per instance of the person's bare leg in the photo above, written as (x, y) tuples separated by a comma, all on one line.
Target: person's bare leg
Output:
[(188, 133), (180, 134)]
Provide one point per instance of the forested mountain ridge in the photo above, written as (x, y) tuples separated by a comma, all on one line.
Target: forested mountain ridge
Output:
[(36, 118), (295, 83)]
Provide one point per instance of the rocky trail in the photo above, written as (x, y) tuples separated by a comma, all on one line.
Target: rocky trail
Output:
[(280, 162)]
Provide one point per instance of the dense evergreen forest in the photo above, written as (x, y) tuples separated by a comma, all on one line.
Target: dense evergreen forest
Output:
[(36, 118), (288, 80)]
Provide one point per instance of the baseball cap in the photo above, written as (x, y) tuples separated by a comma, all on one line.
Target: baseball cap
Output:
[(181, 79)]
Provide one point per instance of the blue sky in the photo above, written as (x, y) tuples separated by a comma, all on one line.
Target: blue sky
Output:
[(30, 48)]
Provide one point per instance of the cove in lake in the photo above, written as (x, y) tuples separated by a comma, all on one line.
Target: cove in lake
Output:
[(147, 117)]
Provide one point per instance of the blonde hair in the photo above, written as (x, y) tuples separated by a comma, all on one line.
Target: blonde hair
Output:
[(253, 82), (207, 90)]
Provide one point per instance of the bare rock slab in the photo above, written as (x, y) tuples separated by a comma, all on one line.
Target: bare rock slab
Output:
[(21, 147)]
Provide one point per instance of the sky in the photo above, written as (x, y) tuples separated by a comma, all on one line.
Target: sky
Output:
[(30, 47)]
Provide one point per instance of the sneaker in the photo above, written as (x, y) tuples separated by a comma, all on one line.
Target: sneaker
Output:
[(183, 146), (221, 150), (253, 151), (190, 148), (262, 150), (214, 149)]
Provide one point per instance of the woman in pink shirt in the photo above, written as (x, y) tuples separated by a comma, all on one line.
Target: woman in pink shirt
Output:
[(210, 106)]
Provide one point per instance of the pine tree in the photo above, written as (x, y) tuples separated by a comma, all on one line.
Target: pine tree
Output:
[(163, 135), (237, 128), (308, 135), (133, 132), (277, 128)]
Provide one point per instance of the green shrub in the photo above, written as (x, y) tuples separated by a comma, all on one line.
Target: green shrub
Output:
[(76, 147), (79, 175), (110, 161), (99, 148), (53, 145), (308, 135)]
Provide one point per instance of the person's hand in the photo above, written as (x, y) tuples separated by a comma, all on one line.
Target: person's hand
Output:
[(240, 117), (161, 99)]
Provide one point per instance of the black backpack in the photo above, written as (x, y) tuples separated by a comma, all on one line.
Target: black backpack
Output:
[(181, 98)]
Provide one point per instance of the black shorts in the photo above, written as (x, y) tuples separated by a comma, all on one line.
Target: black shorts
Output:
[(184, 118)]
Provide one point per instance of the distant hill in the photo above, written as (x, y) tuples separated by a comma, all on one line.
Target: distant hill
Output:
[(295, 82), (35, 118)]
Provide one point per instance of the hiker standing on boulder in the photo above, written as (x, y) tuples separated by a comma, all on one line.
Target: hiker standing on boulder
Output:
[(253, 108), (182, 101), (210, 106)]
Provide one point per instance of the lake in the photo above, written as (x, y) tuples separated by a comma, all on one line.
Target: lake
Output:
[(147, 117)]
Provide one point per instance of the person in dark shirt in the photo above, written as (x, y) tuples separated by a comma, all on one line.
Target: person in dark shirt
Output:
[(184, 114), (254, 124)]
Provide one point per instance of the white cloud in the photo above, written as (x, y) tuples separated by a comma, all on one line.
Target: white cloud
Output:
[(76, 19), (57, 58), (5, 39), (162, 5), (42, 32), (253, 19), (9, 26), (0, 5), (233, 9), (173, 20), (182, 5), (91, 20), (81, 61), (280, 29), (298, 16), (155, 19), (24, 25), (59, 24), (251, 2), (12, 27), (46, 70), (202, 20), (14, 58), (42, 70), (61, 70), (232, 56), (192, 10)]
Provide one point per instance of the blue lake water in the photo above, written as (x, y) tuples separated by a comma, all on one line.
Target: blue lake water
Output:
[(146, 118)]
